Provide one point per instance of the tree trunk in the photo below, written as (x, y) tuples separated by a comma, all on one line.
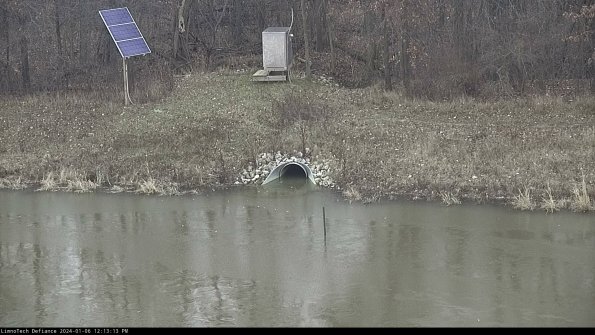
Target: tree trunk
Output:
[(237, 26), (369, 33), (463, 34), (181, 30), (4, 25), (176, 35), (278, 8), (592, 59), (306, 40), (106, 49), (83, 33), (106, 45), (261, 15), (320, 9), (470, 45), (405, 71), (388, 85), (459, 30), (25, 75), (593, 73), (405, 66), (59, 59), (331, 45)]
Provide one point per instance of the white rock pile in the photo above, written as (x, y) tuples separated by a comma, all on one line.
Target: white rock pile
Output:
[(266, 162)]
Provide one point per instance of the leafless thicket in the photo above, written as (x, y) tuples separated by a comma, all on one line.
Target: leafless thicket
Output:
[(432, 49)]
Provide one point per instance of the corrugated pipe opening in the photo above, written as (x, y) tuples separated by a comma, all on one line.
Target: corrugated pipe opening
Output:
[(288, 170), (294, 171)]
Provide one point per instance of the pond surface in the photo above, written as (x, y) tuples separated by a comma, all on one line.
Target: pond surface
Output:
[(259, 257)]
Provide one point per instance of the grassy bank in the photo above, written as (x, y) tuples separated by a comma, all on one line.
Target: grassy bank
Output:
[(533, 153)]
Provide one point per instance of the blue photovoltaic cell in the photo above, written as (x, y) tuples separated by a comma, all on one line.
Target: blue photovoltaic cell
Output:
[(125, 33), (116, 16), (133, 47)]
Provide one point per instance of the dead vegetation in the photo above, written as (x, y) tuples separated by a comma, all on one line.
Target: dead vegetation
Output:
[(581, 201), (523, 200), (449, 198), (381, 145)]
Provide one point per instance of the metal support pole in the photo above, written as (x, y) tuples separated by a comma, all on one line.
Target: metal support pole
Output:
[(126, 92)]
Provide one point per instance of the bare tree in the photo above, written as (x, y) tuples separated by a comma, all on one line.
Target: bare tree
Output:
[(320, 24), (592, 58), (584, 18), (208, 17), (237, 26), (4, 30), (388, 85), (306, 39), (331, 42), (180, 39), (60, 76), (405, 44), (436, 48), (24, 46), (83, 31), (370, 33)]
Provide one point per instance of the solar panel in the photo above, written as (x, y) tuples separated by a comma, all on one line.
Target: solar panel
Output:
[(133, 47), (116, 16), (124, 32)]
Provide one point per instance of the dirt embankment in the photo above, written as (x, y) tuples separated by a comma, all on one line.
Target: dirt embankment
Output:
[(531, 153)]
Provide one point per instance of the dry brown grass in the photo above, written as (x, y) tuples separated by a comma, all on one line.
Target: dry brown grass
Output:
[(548, 203), (68, 175), (352, 194), (13, 183), (80, 186), (581, 201), (116, 189), (48, 183), (149, 186), (523, 200), (449, 199), (382, 144)]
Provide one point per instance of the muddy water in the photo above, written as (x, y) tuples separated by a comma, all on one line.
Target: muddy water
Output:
[(258, 257)]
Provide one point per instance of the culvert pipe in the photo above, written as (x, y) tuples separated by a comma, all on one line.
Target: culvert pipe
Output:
[(290, 169)]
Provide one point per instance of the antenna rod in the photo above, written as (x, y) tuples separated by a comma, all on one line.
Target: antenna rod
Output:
[(291, 25)]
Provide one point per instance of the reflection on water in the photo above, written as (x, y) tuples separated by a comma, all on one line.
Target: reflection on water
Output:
[(257, 257)]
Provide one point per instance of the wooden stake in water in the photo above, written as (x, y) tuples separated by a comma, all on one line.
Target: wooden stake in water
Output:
[(324, 223)]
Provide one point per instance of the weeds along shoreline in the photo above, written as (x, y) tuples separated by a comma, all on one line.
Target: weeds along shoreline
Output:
[(533, 153), (70, 181)]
